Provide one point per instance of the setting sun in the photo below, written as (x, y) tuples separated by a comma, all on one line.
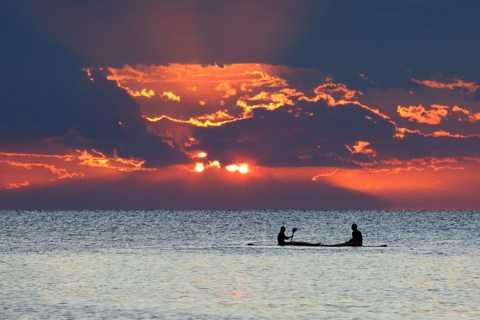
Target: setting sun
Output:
[(241, 168)]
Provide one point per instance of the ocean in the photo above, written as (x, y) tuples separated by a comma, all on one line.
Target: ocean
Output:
[(166, 264)]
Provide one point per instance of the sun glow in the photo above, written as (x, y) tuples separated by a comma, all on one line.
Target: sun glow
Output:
[(202, 164), (199, 167), (241, 168)]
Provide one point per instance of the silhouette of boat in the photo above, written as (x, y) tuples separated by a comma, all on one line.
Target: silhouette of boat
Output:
[(308, 244)]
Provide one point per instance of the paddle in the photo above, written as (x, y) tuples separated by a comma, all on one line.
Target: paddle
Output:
[(293, 232)]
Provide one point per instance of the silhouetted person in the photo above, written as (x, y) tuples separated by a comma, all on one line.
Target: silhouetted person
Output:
[(356, 237), (282, 237)]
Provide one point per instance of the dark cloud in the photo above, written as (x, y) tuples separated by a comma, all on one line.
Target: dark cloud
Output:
[(310, 134), (314, 134), (416, 145), (45, 94), (383, 39)]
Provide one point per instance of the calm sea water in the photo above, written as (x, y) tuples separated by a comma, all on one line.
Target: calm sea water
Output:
[(196, 265)]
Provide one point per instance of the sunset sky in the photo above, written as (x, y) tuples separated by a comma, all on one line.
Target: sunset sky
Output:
[(252, 104)]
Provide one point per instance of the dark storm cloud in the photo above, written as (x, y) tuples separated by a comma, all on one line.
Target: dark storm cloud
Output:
[(313, 134), (416, 145), (45, 96), (319, 135), (115, 32), (383, 39)]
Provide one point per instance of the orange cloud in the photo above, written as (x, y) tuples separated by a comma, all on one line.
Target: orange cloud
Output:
[(419, 114), (67, 157), (232, 91), (221, 116), (333, 93), (196, 77), (227, 90), (143, 93), (418, 165), (362, 148), (98, 159), (270, 100), (22, 172), (329, 174), (450, 84), (216, 119), (88, 71), (472, 117), (23, 169), (443, 133), (170, 96), (17, 185), (60, 173), (401, 134), (129, 74), (237, 89)]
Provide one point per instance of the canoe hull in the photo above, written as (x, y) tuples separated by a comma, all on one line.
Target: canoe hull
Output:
[(308, 244), (300, 244), (352, 245), (287, 244)]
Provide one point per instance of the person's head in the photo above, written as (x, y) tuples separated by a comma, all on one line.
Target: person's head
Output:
[(354, 227), (282, 229)]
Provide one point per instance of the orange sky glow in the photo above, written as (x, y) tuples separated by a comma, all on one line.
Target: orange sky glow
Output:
[(177, 99)]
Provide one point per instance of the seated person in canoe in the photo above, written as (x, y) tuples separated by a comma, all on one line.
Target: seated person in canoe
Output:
[(356, 240), (282, 237)]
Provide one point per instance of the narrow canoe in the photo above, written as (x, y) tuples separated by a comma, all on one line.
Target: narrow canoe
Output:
[(308, 244), (301, 244), (351, 245), (287, 244)]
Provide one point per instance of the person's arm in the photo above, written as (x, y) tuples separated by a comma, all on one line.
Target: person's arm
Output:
[(352, 239)]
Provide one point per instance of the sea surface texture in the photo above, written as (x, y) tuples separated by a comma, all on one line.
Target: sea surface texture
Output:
[(197, 265)]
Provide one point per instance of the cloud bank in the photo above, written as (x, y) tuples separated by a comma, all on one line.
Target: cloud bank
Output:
[(252, 104)]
